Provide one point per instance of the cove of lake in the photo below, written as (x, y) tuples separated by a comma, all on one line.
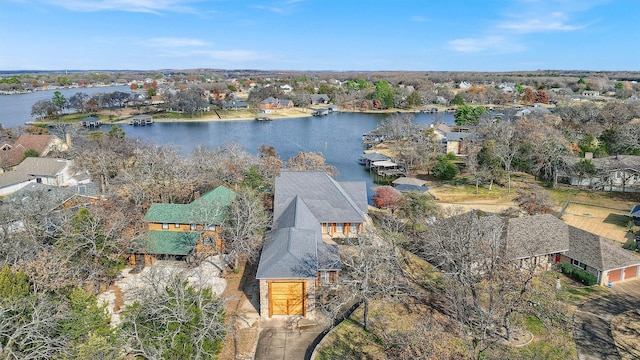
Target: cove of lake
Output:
[(337, 136)]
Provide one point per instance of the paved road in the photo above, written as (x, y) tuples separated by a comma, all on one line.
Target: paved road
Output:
[(592, 321), (285, 340)]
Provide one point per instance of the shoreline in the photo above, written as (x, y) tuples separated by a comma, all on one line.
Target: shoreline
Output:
[(282, 114)]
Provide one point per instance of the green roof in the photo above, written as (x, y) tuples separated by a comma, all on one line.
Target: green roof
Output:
[(166, 242), (210, 208)]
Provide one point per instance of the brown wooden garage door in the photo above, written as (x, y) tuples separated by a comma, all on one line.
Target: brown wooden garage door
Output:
[(630, 272), (614, 275), (286, 298)]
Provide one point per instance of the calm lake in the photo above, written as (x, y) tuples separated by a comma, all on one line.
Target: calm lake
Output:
[(337, 136)]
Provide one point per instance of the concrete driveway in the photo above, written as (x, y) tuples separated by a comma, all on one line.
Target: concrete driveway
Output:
[(592, 321), (286, 338)]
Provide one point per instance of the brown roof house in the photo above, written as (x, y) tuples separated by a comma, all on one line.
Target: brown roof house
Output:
[(12, 154), (298, 255), (542, 240)]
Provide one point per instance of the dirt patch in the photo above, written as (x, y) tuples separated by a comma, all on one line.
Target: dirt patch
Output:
[(625, 329), (241, 298)]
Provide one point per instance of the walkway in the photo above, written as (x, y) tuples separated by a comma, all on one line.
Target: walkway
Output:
[(592, 321)]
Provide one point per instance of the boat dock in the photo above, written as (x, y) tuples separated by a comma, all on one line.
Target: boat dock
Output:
[(141, 120)]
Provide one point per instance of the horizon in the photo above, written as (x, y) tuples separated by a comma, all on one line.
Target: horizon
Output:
[(319, 36)]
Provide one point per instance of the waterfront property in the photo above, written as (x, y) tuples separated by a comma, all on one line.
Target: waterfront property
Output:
[(298, 254), (183, 231)]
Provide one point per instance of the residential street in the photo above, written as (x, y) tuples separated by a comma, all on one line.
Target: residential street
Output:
[(592, 321)]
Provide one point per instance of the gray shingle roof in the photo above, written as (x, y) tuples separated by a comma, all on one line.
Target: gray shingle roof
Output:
[(598, 252), (545, 234), (291, 251), (327, 199), (41, 166), (536, 235), (610, 162)]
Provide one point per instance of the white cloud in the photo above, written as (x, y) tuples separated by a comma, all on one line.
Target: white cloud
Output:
[(496, 44), (172, 42), (556, 21), (146, 6)]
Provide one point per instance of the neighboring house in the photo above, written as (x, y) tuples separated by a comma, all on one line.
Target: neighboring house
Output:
[(275, 103), (298, 255), (12, 154), (440, 130), (319, 99), (615, 173), (456, 142), (543, 240), (48, 171), (234, 105), (55, 198), (59, 197), (175, 231)]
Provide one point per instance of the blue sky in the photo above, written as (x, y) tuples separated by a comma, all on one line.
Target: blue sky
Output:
[(340, 35)]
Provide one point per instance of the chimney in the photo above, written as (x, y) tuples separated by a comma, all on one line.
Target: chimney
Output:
[(588, 155)]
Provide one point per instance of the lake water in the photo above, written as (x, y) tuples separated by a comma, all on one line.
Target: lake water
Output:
[(337, 136), (15, 110)]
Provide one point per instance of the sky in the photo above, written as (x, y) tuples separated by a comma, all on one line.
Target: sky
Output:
[(327, 35)]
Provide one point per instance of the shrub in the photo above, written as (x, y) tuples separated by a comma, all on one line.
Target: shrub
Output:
[(578, 274)]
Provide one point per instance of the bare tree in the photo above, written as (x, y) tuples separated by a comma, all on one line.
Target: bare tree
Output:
[(371, 270), (482, 287), (244, 226), (305, 161)]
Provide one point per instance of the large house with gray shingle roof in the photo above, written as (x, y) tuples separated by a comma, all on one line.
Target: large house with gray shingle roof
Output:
[(542, 240), (175, 231), (310, 208)]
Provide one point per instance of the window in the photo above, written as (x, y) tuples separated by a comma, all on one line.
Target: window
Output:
[(324, 277), (177, 226), (211, 227), (193, 227), (165, 226), (339, 227), (577, 263)]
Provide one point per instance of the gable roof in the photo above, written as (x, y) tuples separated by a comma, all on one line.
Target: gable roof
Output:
[(210, 208), (15, 153), (290, 250), (42, 166), (327, 199)]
